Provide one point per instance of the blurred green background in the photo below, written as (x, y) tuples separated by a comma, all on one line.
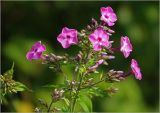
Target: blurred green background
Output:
[(23, 23)]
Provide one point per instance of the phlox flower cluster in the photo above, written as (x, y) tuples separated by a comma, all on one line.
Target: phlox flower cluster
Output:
[(98, 36)]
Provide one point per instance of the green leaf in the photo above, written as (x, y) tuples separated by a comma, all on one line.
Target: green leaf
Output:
[(96, 72), (66, 101), (95, 91), (85, 103), (105, 63), (9, 73), (20, 87), (101, 76)]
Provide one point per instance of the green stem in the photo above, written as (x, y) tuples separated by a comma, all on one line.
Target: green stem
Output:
[(79, 88), (65, 76), (74, 78), (50, 106), (71, 99), (93, 84), (77, 92), (81, 78)]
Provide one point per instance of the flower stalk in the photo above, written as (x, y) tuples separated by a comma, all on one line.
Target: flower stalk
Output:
[(50, 105)]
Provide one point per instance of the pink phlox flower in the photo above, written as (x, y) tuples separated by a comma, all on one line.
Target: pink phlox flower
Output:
[(126, 46), (108, 16), (36, 51), (99, 38), (135, 69), (68, 37)]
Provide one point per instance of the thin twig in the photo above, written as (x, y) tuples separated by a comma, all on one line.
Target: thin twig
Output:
[(50, 106), (93, 84)]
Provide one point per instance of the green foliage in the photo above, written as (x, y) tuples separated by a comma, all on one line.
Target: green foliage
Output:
[(8, 85), (20, 87), (85, 102), (96, 91)]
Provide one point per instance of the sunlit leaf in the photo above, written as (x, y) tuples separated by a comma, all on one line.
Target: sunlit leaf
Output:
[(95, 91), (66, 101), (20, 87), (85, 103), (101, 76)]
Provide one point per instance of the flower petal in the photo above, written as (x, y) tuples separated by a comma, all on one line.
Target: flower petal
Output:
[(135, 69)]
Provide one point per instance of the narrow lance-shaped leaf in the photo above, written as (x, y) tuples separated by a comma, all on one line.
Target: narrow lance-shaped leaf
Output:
[(9, 74), (85, 103), (20, 87)]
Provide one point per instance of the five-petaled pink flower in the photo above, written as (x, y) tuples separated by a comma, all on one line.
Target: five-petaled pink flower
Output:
[(126, 46), (108, 16), (135, 69), (99, 38), (68, 37), (36, 51)]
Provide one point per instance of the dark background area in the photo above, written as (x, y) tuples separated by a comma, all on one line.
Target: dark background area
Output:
[(24, 23)]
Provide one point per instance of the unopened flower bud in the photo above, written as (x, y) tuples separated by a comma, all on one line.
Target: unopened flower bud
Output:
[(120, 72), (112, 90), (57, 94), (73, 83), (111, 42), (89, 27), (13, 90), (79, 56), (111, 71), (93, 68), (46, 56), (100, 62), (59, 57), (94, 22), (103, 53), (54, 57), (121, 78), (83, 31), (110, 57), (89, 81), (109, 34), (115, 75), (111, 31), (37, 109)]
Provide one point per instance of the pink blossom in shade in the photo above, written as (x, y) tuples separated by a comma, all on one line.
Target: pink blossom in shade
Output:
[(36, 51), (99, 38), (68, 37), (126, 46), (135, 69), (108, 16)]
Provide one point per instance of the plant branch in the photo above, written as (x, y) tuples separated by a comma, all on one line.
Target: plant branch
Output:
[(50, 106), (93, 84), (77, 92), (81, 79)]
